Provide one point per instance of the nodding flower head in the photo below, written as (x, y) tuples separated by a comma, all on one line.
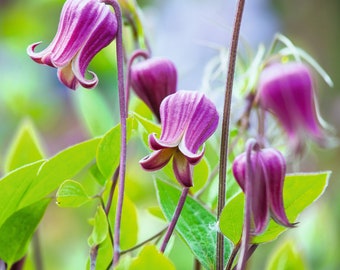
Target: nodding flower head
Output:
[(153, 80), (85, 27), (260, 173), (286, 90), (188, 119)]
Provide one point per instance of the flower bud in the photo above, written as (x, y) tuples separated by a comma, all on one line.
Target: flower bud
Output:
[(286, 90), (153, 80), (261, 178)]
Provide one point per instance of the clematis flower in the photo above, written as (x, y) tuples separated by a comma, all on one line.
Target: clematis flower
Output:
[(261, 178), (85, 27), (286, 90), (153, 80), (188, 119)]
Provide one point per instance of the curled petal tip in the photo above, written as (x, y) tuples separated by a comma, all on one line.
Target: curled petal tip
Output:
[(157, 159), (283, 221), (42, 57), (88, 83), (31, 53), (191, 157)]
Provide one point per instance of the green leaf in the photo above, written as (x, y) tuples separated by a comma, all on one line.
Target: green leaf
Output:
[(100, 228), (151, 258), (71, 194), (146, 127), (300, 190), (156, 211), (18, 229), (196, 225), (25, 147), (14, 186), (105, 252), (108, 153), (124, 263), (94, 111), (31, 183), (286, 258), (64, 165), (201, 175), (231, 219), (96, 173)]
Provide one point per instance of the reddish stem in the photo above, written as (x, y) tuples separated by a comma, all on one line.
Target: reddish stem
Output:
[(225, 130), (175, 217), (123, 116)]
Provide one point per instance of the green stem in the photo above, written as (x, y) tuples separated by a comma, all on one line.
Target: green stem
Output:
[(112, 190), (225, 130), (157, 235)]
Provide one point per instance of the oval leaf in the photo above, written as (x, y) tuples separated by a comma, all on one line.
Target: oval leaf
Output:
[(300, 190), (100, 228), (71, 194), (196, 225)]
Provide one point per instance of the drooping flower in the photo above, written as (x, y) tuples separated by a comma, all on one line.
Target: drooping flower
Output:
[(261, 178), (85, 27), (188, 119), (286, 90), (153, 80)]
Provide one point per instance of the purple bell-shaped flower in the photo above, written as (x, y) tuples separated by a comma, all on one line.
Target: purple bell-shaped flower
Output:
[(286, 90), (188, 119), (85, 27), (152, 80), (260, 173)]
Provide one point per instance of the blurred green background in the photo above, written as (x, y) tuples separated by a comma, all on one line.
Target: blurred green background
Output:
[(176, 30)]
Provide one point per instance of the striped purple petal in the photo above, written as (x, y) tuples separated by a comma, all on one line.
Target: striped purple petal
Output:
[(262, 181), (85, 27), (274, 168), (176, 113), (202, 125)]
